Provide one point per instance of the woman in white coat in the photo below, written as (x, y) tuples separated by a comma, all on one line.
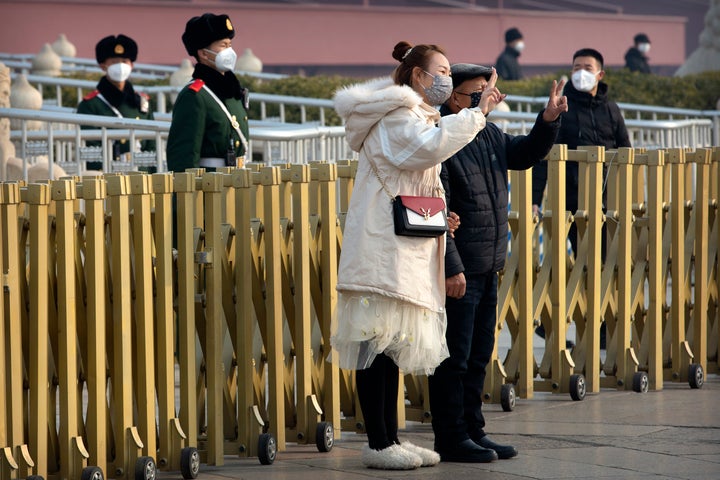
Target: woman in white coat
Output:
[(391, 289)]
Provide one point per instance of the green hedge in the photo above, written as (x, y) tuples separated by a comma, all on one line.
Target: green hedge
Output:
[(697, 92), (700, 92)]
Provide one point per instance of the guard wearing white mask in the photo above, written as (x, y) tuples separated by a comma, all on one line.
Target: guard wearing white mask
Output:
[(115, 95), (209, 124)]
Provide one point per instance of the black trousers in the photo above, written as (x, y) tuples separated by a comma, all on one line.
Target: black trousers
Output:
[(377, 389), (457, 384)]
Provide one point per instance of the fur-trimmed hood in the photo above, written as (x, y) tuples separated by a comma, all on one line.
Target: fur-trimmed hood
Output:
[(362, 105)]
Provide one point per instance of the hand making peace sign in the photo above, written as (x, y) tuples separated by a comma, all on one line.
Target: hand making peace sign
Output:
[(557, 103), (491, 96)]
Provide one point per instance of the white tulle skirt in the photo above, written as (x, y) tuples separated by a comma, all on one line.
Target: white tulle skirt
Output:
[(369, 324)]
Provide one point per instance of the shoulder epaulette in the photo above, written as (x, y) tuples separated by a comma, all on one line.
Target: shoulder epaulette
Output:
[(91, 95), (196, 85)]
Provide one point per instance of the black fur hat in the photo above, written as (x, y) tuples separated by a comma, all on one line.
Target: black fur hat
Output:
[(112, 46), (204, 30)]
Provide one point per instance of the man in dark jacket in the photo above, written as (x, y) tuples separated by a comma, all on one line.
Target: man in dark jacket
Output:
[(476, 184), (636, 57), (507, 65), (592, 119)]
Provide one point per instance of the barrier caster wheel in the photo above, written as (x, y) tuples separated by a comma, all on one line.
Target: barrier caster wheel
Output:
[(145, 468), (696, 376), (92, 473), (577, 387), (267, 449), (641, 384), (324, 436), (189, 462), (507, 397)]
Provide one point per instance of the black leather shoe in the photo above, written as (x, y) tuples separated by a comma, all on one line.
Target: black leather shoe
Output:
[(503, 451), (466, 451)]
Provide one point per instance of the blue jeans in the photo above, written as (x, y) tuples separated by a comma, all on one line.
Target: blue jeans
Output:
[(457, 384)]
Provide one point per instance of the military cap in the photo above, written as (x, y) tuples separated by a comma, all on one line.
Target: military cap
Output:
[(206, 29), (512, 34), (112, 46), (467, 71)]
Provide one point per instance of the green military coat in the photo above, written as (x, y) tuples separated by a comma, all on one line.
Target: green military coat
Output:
[(201, 129), (129, 103)]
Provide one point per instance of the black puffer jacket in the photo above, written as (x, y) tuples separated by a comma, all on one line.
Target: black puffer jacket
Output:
[(476, 184), (590, 120), (636, 61), (507, 65)]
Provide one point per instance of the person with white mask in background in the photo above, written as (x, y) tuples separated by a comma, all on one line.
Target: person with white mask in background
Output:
[(507, 65), (114, 95), (592, 119), (636, 57), (209, 126)]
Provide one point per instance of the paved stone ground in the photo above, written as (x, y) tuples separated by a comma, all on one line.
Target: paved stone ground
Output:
[(662, 435)]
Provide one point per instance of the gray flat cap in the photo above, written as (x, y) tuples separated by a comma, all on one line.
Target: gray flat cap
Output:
[(468, 71)]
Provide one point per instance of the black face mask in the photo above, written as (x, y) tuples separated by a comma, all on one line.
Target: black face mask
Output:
[(475, 99)]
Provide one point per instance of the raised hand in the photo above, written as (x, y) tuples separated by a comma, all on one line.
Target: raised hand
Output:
[(557, 103), (491, 96)]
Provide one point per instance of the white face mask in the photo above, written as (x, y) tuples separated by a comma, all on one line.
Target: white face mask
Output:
[(225, 59), (119, 72), (520, 46), (583, 80), (644, 47)]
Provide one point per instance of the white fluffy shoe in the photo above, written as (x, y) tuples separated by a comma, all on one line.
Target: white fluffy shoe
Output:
[(429, 457), (393, 457)]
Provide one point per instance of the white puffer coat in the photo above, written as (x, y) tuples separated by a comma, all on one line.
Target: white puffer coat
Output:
[(407, 140)]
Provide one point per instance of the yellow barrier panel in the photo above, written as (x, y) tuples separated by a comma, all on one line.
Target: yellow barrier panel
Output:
[(94, 195), (101, 294), (15, 458), (38, 199)]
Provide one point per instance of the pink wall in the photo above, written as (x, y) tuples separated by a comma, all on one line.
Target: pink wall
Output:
[(338, 36)]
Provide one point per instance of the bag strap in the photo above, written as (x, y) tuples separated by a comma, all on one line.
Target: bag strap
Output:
[(382, 183), (105, 101), (375, 171), (233, 121)]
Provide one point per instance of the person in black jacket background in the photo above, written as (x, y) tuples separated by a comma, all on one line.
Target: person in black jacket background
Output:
[(476, 185), (592, 119), (636, 56), (507, 65)]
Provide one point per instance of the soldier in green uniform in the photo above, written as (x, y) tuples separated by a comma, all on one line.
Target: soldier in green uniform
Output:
[(209, 126), (115, 95)]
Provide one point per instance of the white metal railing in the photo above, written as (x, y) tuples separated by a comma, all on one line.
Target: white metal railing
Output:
[(22, 63), (63, 142), (632, 111), (51, 89)]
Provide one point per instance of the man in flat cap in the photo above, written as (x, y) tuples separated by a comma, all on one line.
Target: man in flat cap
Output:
[(636, 57), (114, 95), (507, 65), (209, 126), (476, 188)]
